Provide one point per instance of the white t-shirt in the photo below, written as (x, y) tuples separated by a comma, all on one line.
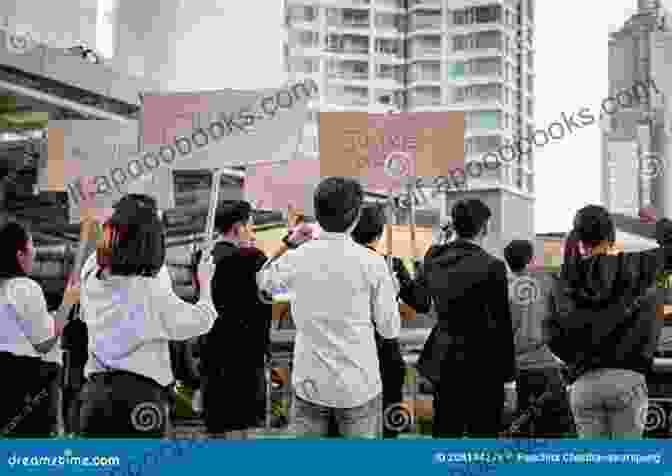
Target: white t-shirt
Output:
[(24, 318), (132, 319)]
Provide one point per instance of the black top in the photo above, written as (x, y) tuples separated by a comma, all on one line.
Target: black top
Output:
[(243, 326), (470, 290), (596, 283)]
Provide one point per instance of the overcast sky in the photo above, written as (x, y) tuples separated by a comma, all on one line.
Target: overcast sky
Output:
[(570, 64)]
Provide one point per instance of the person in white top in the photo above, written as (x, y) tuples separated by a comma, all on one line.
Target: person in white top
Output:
[(340, 292), (132, 313), (28, 333)]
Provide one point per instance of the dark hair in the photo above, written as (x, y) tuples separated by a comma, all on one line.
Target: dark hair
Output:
[(138, 199), (370, 226), (231, 212), (13, 238), (133, 241), (593, 225), (338, 201), (469, 217), (518, 254)]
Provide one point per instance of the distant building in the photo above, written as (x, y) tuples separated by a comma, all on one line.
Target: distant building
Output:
[(475, 56), (637, 139)]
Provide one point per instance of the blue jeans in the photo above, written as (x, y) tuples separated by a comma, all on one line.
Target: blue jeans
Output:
[(610, 404), (310, 420)]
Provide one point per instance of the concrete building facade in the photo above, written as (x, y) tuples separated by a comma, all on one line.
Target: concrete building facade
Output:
[(475, 56)]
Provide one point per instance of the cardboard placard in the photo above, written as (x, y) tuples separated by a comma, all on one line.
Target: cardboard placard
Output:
[(383, 149), (216, 129), (97, 162), (401, 241), (277, 186)]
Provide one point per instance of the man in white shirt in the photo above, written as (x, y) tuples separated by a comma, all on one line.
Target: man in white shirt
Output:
[(341, 291)]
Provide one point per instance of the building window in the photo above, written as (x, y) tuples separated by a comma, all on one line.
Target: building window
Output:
[(530, 107), (456, 71), (486, 120), (460, 43), (530, 83)]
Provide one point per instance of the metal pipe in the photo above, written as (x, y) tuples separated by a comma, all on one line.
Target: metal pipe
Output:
[(64, 103)]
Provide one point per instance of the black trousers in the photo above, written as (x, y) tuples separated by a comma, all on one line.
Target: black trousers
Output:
[(554, 418), (468, 405), (122, 404), (28, 405)]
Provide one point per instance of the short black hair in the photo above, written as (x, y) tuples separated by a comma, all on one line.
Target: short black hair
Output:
[(469, 217), (138, 199), (134, 242), (338, 201), (14, 237), (593, 225), (518, 254), (370, 226), (231, 212)]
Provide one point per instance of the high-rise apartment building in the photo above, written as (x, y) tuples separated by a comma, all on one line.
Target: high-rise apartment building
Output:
[(475, 56), (637, 137)]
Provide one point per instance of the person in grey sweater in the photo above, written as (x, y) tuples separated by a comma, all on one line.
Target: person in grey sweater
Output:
[(539, 370)]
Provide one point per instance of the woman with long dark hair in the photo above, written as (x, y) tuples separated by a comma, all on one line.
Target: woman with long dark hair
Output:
[(605, 326), (132, 314), (27, 333)]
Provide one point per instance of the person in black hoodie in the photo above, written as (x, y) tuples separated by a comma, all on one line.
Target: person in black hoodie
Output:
[(367, 233), (474, 347), (605, 325), (236, 348)]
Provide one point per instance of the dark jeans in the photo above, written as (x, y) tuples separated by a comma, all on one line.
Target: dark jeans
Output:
[(553, 418), (468, 404), (123, 405), (393, 373)]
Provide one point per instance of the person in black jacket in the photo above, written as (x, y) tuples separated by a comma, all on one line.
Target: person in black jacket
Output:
[(368, 232), (474, 331), (606, 304), (236, 348)]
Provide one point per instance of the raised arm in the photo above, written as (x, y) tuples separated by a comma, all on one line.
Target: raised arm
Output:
[(384, 302), (179, 319)]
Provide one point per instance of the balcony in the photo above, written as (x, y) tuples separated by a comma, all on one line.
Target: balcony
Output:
[(430, 4), (427, 75), (348, 75), (426, 52), (396, 5), (424, 100), (424, 22)]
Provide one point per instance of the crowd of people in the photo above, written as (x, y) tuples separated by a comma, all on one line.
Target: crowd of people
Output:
[(578, 354)]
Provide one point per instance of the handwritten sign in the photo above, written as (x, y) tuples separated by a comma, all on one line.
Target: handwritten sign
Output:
[(401, 241), (387, 149), (277, 186), (215, 129), (97, 162)]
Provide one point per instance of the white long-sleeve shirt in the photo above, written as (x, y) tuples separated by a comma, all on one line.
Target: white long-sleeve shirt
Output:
[(339, 290), (132, 319)]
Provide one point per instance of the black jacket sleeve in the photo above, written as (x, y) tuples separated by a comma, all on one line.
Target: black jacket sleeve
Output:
[(413, 292), (502, 317)]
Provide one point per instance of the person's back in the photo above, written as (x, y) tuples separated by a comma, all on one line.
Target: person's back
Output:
[(605, 324), (539, 370), (470, 290), (341, 291)]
